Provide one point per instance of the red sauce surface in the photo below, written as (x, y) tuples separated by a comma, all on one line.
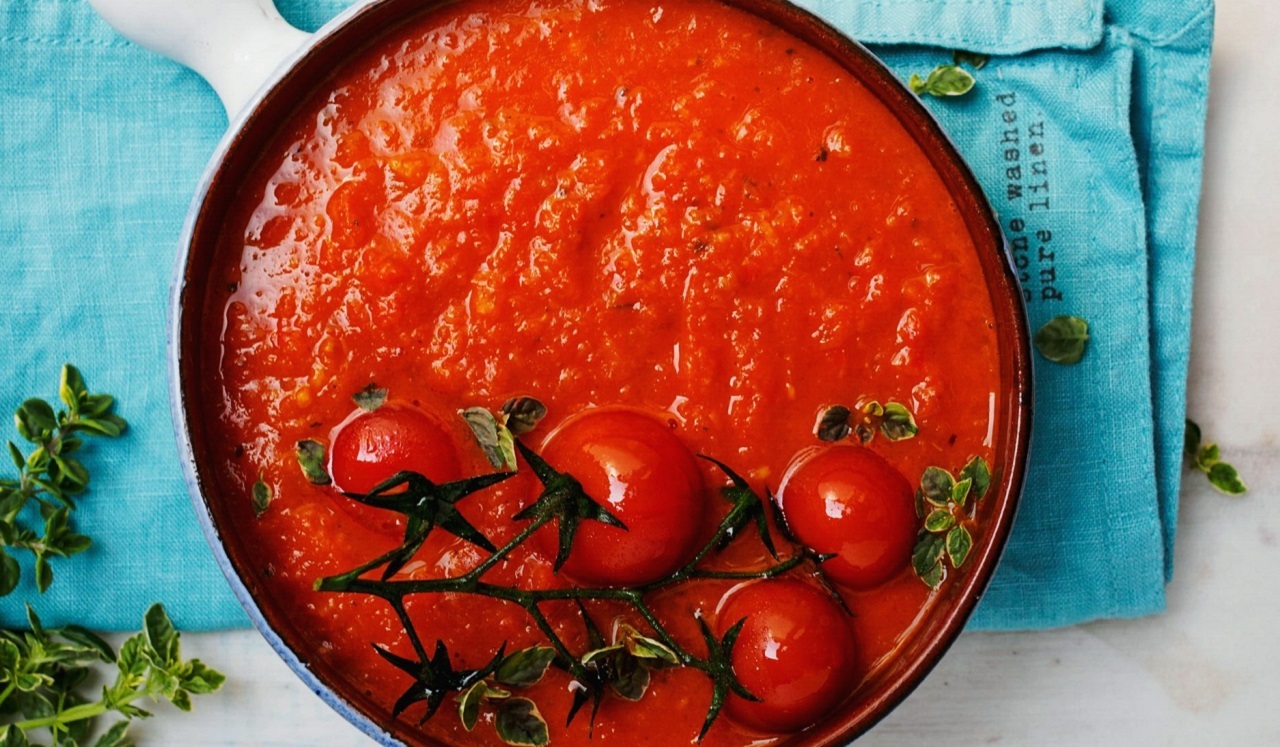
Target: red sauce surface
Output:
[(671, 206)]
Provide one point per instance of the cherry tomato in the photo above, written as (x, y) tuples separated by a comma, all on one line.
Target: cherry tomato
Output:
[(849, 501), (795, 652), (635, 466), (372, 446)]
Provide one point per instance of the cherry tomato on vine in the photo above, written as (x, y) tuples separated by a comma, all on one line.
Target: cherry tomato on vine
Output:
[(372, 446), (849, 501), (635, 466), (795, 652)]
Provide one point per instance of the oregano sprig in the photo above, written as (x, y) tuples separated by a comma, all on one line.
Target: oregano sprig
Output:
[(945, 505), (42, 670), (1207, 458), (50, 477)]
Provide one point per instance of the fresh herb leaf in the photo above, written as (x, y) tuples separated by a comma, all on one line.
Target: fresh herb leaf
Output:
[(495, 439), (1225, 478), (630, 677), (926, 559), (10, 573), (1191, 439), (1063, 339), (898, 423), (937, 485), (48, 668), (371, 397), (959, 543), (940, 520), (525, 667), (833, 424), (944, 80), (979, 475), (311, 460), (472, 698), (261, 496), (520, 723), (115, 736), (523, 414), (643, 647), (975, 60), (50, 477), (1207, 458)]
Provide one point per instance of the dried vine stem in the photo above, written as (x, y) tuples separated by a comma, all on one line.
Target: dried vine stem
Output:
[(427, 506)]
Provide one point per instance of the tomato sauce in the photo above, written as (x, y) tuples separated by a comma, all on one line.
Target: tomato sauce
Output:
[(670, 205)]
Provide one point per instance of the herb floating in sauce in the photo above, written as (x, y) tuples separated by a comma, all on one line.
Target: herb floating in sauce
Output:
[(41, 671), (622, 666), (50, 476), (1207, 458), (522, 414), (1063, 339), (943, 503), (311, 460), (833, 424), (496, 434), (370, 398), (894, 420), (261, 496)]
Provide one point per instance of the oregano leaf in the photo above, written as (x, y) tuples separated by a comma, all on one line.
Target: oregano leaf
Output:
[(933, 577), (944, 80), (371, 397), (519, 723), (979, 475), (975, 60), (1225, 478), (939, 520), (494, 438), (525, 667), (927, 553), (898, 423), (523, 414), (959, 543), (628, 676), (311, 459), (10, 573), (937, 485), (1190, 439), (261, 496), (833, 424), (1063, 339)]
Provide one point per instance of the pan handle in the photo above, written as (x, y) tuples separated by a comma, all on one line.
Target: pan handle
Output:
[(233, 44)]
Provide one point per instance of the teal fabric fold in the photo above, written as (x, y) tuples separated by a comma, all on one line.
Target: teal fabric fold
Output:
[(1086, 130), (1001, 27)]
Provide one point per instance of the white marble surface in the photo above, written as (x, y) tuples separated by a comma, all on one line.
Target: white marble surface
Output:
[(1206, 672)]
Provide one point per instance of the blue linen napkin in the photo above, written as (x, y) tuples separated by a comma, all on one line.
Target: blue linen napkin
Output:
[(1086, 131)]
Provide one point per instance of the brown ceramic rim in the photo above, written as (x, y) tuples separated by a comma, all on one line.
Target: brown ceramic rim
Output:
[(362, 26)]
